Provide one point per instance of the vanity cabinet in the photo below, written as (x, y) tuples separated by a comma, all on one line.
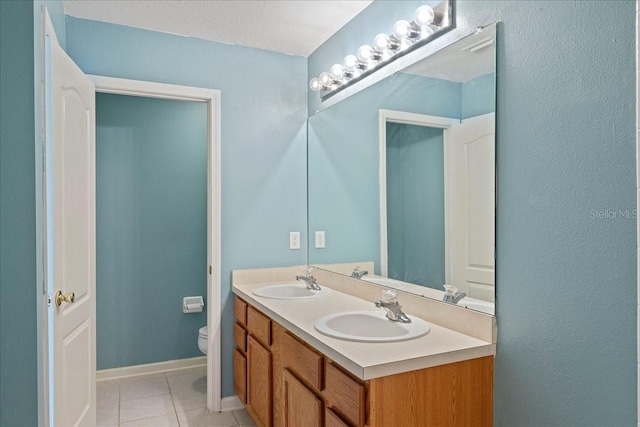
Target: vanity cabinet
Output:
[(291, 384), (252, 369)]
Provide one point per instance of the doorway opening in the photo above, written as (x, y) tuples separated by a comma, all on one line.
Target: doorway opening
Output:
[(140, 89)]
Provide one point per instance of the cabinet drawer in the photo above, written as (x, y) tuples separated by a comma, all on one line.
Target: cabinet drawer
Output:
[(240, 375), (240, 311), (240, 337), (259, 326), (331, 419), (345, 394), (303, 361)]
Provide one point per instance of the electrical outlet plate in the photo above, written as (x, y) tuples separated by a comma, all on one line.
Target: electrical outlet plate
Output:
[(319, 239), (294, 240)]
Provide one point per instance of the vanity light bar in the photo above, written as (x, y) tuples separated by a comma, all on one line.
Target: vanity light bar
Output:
[(405, 37)]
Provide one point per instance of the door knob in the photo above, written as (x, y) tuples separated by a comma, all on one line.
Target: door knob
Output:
[(60, 298)]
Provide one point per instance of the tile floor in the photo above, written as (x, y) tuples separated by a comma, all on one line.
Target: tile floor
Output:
[(172, 399)]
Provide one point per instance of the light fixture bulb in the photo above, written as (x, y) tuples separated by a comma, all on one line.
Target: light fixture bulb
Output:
[(357, 73), (426, 32), (381, 42), (337, 71), (402, 29), (350, 62), (365, 53), (314, 84), (405, 44), (424, 16), (386, 55), (325, 79), (371, 64)]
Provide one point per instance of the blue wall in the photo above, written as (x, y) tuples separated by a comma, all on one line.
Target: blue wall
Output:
[(565, 146), (151, 228), (264, 108), (18, 344), (415, 204), (20, 190), (478, 96)]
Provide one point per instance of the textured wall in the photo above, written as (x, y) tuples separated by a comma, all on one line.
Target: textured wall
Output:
[(566, 279), (18, 344), (263, 96), (151, 228)]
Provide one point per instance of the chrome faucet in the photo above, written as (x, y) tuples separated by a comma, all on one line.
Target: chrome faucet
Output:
[(451, 294), (357, 273), (310, 281), (393, 308)]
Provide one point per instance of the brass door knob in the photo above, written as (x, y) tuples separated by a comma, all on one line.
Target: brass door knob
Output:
[(60, 298)]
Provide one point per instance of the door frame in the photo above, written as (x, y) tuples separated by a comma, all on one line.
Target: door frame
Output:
[(406, 118), (211, 97)]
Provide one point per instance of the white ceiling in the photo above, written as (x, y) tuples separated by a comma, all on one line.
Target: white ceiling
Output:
[(294, 27), (456, 63)]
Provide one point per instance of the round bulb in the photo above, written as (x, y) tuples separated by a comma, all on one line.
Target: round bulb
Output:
[(357, 73), (423, 16), (381, 42), (350, 62), (365, 53), (401, 29), (426, 32), (386, 55), (314, 84), (325, 79), (405, 44), (337, 71), (371, 64)]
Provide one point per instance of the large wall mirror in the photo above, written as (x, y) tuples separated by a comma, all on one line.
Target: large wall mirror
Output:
[(402, 178)]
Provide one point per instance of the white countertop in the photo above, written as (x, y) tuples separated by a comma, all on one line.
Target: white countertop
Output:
[(365, 360)]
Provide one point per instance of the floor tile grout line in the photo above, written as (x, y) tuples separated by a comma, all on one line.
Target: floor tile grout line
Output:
[(173, 402)]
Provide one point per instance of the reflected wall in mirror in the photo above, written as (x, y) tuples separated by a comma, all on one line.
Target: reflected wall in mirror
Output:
[(402, 178)]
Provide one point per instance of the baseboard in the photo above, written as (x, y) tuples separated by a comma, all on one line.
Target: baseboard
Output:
[(230, 403), (150, 368)]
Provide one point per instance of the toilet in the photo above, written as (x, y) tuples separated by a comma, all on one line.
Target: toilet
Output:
[(202, 339)]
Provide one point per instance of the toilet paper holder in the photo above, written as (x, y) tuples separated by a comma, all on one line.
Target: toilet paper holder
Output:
[(192, 304)]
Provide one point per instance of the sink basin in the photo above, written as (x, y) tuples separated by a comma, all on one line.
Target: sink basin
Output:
[(385, 281), (370, 326), (289, 291)]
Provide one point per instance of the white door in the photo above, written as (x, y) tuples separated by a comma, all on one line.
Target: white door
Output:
[(70, 186), (472, 206)]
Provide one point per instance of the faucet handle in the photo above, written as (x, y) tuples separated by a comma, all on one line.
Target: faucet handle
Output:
[(308, 271), (450, 290), (389, 296)]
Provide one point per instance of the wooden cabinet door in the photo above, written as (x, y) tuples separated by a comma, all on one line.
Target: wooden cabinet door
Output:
[(331, 419), (240, 375), (301, 406), (259, 381)]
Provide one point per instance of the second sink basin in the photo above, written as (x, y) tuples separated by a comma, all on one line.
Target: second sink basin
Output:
[(370, 326), (292, 290)]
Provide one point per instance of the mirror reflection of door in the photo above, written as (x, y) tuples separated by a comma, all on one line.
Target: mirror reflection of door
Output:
[(440, 200), (472, 206)]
